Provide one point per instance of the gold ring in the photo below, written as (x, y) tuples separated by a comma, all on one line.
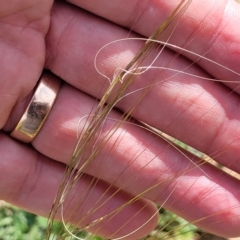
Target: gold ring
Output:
[(38, 108)]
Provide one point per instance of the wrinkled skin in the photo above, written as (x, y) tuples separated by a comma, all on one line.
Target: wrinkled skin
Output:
[(65, 39)]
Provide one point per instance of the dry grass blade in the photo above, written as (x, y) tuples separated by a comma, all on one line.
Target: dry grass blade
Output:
[(94, 124)]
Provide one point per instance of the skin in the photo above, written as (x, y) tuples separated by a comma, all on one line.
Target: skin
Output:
[(62, 37)]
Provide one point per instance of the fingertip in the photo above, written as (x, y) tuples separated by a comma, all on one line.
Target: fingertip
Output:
[(135, 221)]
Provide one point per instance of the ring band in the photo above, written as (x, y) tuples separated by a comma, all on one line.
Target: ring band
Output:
[(38, 108)]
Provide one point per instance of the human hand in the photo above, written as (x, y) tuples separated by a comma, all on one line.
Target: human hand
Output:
[(198, 106)]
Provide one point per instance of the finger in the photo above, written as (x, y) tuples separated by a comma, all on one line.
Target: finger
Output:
[(30, 180), (206, 108), (204, 33), (23, 27), (141, 164)]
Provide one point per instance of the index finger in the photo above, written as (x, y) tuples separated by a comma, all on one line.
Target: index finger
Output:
[(208, 28)]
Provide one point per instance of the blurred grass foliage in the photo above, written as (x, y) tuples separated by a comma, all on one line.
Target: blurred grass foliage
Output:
[(17, 224)]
